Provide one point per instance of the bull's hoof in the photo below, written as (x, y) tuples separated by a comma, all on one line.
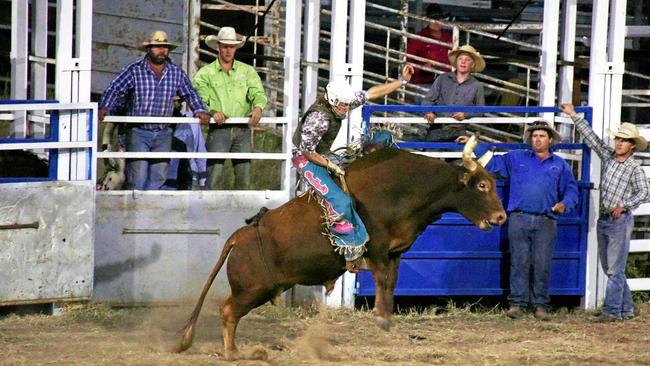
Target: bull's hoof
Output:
[(383, 324), (231, 355)]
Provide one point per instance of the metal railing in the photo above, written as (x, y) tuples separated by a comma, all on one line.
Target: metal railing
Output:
[(70, 144), (577, 153), (284, 156)]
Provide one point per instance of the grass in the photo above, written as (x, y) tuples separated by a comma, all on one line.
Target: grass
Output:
[(448, 335)]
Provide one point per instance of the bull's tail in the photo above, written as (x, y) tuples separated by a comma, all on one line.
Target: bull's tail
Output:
[(190, 328)]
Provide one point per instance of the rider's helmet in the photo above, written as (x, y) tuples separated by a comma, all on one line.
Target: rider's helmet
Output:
[(339, 91)]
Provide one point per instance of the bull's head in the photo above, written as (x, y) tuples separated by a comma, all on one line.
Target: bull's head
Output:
[(478, 200)]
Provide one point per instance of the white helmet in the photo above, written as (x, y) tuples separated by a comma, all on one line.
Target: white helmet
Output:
[(339, 91)]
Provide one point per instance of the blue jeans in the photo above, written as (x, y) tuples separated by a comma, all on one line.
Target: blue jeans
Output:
[(147, 174), (613, 247), (344, 224), (229, 139), (532, 240)]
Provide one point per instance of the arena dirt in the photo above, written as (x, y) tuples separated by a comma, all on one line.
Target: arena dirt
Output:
[(94, 334)]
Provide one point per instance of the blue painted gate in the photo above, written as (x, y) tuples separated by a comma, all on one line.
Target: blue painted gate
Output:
[(454, 257)]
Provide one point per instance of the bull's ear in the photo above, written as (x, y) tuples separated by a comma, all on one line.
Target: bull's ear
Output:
[(465, 178)]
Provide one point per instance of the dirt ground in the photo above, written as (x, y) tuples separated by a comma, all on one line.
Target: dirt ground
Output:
[(94, 334)]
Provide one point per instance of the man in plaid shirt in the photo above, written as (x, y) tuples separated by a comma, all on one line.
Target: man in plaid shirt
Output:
[(148, 86), (623, 187)]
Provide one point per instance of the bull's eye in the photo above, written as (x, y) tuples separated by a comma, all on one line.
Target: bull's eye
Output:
[(483, 186)]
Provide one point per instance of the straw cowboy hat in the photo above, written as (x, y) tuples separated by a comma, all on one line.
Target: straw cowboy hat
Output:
[(479, 62), (226, 35), (157, 38), (541, 125), (629, 131)]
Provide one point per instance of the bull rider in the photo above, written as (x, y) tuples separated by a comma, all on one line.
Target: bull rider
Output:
[(314, 161)]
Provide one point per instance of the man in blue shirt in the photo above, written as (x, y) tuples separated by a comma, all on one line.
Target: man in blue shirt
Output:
[(148, 86), (542, 187)]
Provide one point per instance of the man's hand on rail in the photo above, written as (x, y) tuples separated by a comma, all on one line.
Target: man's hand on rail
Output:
[(101, 114), (568, 108), (219, 117), (256, 115), (458, 116), (431, 117), (203, 117), (407, 72), (461, 139)]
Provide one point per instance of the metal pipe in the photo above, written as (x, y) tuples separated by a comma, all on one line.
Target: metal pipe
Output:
[(33, 225), (126, 231)]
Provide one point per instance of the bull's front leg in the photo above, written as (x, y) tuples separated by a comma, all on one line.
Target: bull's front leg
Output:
[(391, 282), (382, 311)]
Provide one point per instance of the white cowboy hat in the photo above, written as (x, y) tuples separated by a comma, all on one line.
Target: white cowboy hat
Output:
[(541, 125), (226, 35), (479, 62), (628, 130), (157, 38)]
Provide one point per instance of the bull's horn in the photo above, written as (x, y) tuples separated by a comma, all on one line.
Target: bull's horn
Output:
[(485, 159), (468, 162)]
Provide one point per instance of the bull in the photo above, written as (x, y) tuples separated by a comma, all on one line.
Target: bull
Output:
[(397, 194)]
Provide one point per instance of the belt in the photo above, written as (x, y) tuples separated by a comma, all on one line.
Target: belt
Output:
[(532, 213), (608, 215)]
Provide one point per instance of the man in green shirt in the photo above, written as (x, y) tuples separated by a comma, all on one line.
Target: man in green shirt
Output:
[(229, 88)]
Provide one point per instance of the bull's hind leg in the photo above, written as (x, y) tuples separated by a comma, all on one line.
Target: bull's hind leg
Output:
[(230, 316), (235, 308)]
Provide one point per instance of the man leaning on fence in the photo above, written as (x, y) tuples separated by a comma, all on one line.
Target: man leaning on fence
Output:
[(230, 88), (623, 187), (148, 86), (458, 87)]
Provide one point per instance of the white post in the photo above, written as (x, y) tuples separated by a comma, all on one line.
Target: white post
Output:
[(567, 53), (311, 31), (594, 287), (548, 72), (63, 92), (193, 42), (355, 58), (81, 69), (338, 43), (39, 49), (338, 70), (616, 49), (19, 61), (355, 62), (39, 68), (291, 81)]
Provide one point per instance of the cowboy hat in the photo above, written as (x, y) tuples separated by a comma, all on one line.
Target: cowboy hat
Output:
[(628, 130), (157, 38), (226, 35), (479, 62), (541, 125)]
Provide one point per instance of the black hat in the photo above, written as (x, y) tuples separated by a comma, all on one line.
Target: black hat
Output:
[(434, 11)]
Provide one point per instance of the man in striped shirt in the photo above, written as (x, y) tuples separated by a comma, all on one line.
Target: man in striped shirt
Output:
[(623, 187), (148, 87)]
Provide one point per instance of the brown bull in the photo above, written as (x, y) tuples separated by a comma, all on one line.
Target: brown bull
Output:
[(397, 194)]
